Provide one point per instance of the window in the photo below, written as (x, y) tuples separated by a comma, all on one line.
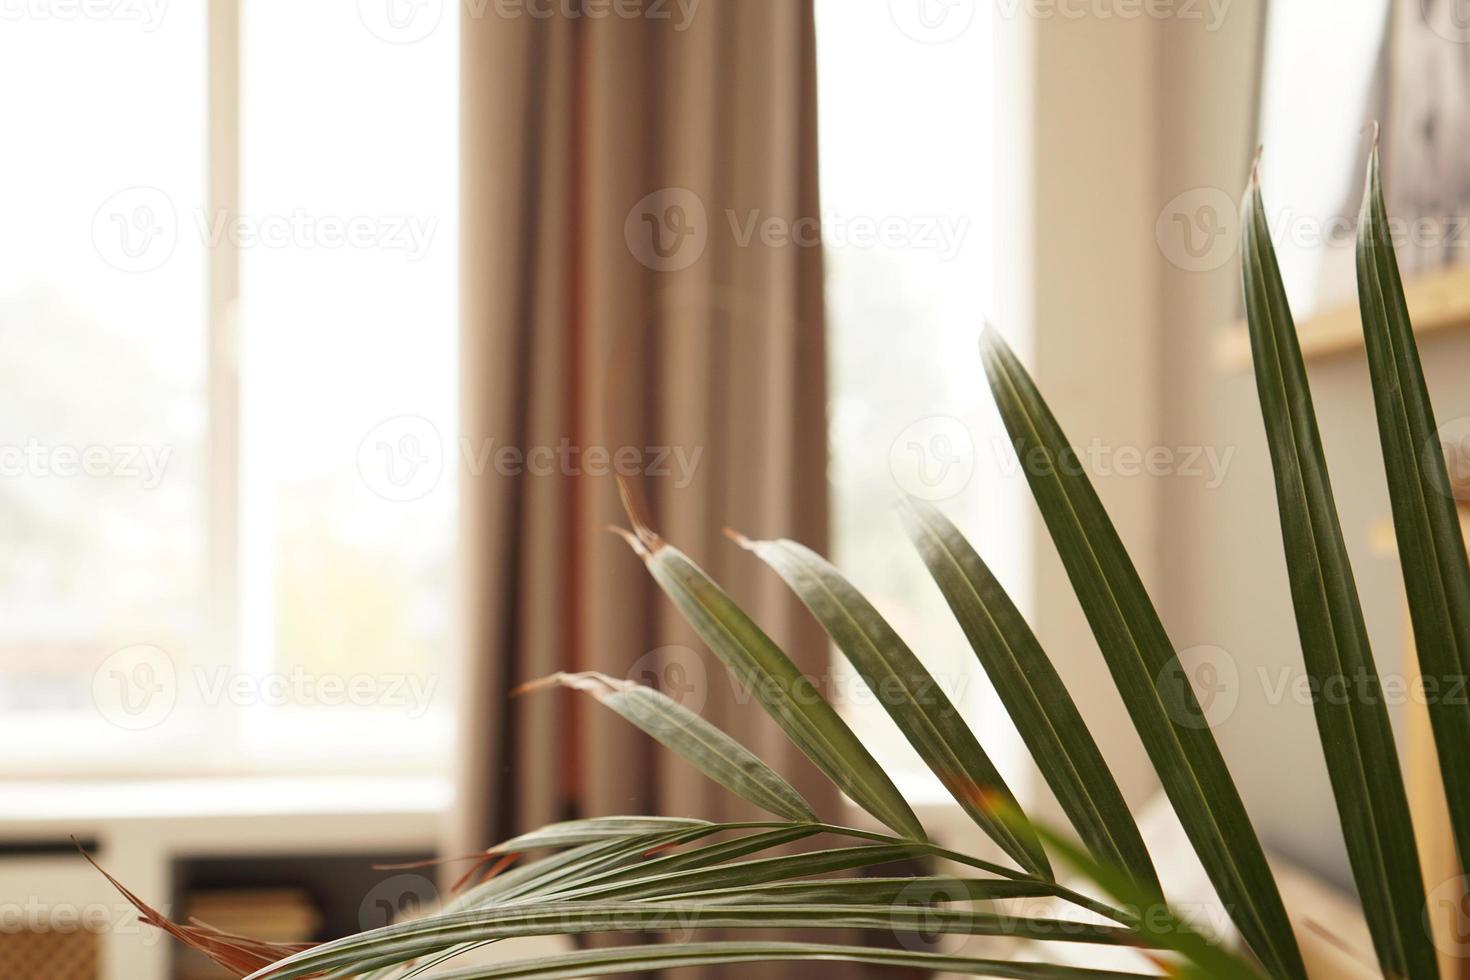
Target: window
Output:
[(906, 179), (228, 311)]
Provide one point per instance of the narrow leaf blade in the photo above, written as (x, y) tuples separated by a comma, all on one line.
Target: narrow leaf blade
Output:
[(1352, 720), (908, 692), (1032, 692), (1425, 516), (787, 695), (707, 748), (1144, 666), (637, 959)]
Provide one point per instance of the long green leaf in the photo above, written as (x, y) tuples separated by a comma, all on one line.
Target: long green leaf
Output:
[(1352, 718), (426, 937), (923, 889), (906, 689), (609, 863), (634, 959), (1144, 666), (707, 748), (753, 872), (1032, 692), (1425, 516), (699, 857), (788, 696)]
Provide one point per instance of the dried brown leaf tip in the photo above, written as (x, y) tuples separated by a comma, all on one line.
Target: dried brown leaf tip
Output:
[(240, 955), (597, 684), (641, 538), (488, 866)]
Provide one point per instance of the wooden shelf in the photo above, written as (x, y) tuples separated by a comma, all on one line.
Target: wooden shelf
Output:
[(1437, 302)]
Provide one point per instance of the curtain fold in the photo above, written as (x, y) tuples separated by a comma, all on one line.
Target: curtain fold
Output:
[(630, 304)]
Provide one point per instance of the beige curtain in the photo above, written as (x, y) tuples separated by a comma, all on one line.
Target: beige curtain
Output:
[(642, 291)]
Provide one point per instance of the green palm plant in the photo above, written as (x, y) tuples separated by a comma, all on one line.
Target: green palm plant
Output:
[(669, 876)]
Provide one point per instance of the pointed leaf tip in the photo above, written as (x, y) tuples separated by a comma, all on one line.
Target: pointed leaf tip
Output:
[(740, 539), (646, 536)]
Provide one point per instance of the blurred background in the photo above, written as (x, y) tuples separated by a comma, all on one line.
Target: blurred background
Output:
[(328, 329)]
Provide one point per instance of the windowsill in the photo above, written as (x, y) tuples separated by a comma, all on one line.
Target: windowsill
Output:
[(82, 802), (269, 746)]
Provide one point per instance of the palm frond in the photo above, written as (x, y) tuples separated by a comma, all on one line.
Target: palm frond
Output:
[(1144, 666), (764, 670), (1425, 516), (1033, 694), (908, 692), (1352, 718)]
